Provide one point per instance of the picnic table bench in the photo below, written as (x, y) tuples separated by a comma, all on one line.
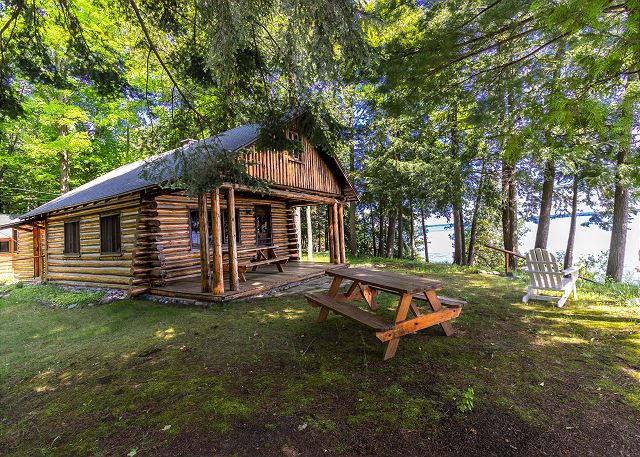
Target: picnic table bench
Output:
[(265, 255), (367, 284)]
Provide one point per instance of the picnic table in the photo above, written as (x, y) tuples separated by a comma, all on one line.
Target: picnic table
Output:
[(367, 284), (265, 255)]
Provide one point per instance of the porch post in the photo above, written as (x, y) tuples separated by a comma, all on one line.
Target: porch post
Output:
[(298, 225), (205, 273), (234, 282), (343, 257), (331, 237), (309, 236), (336, 234), (218, 281)]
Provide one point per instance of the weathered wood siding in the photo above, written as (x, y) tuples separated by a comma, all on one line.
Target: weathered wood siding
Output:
[(176, 257), (309, 172), (23, 257), (91, 267), (6, 265)]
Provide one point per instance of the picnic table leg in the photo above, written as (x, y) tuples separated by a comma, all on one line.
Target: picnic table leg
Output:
[(434, 302), (333, 291), (260, 256), (404, 304), (351, 293), (414, 309), (324, 312), (369, 295), (335, 286)]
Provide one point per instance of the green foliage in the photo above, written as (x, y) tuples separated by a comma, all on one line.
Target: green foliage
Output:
[(465, 404)]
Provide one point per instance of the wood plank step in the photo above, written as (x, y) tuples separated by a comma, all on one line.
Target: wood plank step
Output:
[(347, 309)]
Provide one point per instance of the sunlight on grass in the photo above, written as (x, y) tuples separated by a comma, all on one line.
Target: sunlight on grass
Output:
[(167, 334)]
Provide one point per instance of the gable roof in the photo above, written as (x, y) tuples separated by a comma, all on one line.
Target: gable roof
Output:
[(130, 178)]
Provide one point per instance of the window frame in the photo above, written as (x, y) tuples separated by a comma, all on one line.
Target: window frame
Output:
[(255, 220), (118, 238), (15, 237), (225, 233), (191, 211), (194, 210), (64, 234), (8, 244), (294, 135)]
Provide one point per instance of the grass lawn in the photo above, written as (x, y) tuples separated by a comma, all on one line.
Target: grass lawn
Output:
[(261, 377)]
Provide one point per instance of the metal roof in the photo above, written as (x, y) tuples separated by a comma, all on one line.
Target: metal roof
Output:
[(130, 178)]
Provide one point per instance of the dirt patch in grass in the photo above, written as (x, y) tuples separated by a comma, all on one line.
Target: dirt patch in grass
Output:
[(261, 377)]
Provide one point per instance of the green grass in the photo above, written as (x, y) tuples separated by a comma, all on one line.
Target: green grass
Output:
[(107, 379)]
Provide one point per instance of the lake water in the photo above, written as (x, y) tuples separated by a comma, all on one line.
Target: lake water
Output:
[(589, 241)]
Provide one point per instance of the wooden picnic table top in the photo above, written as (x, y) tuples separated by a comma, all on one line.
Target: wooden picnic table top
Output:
[(387, 280)]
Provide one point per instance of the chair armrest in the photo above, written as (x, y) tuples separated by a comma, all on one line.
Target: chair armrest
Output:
[(571, 270)]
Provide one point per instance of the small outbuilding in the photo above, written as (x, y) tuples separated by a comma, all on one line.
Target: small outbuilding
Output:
[(128, 230)]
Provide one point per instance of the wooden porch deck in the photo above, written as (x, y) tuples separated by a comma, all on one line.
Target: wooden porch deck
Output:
[(266, 278)]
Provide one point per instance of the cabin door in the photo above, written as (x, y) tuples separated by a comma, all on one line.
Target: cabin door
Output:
[(37, 252), (263, 225)]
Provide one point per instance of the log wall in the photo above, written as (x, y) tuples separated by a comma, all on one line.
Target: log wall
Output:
[(91, 267), (176, 257), (6, 265), (23, 257)]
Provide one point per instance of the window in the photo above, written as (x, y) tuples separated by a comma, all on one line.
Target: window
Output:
[(194, 227), (72, 237), (15, 240), (110, 235), (5, 246), (225, 227), (263, 225), (296, 148)]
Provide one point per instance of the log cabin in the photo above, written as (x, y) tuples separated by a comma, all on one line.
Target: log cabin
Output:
[(127, 230)]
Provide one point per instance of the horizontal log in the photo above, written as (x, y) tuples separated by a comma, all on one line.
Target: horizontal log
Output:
[(82, 277)]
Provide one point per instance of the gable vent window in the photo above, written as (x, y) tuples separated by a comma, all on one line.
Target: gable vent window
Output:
[(297, 148), (72, 238), (110, 234)]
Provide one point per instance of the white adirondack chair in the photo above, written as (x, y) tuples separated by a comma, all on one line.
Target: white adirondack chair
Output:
[(545, 275)]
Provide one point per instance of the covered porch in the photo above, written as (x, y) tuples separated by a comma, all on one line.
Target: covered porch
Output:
[(264, 279), (223, 276)]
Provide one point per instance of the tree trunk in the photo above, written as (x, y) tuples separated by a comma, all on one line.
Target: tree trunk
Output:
[(64, 171), (353, 237), (473, 233), (462, 238), (373, 232), (615, 263), (380, 231), (391, 235), (458, 253), (568, 255), (456, 189), (509, 211), (412, 233), (546, 203), (400, 232), (424, 236)]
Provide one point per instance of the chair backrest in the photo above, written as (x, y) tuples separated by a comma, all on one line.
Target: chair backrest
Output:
[(543, 269)]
